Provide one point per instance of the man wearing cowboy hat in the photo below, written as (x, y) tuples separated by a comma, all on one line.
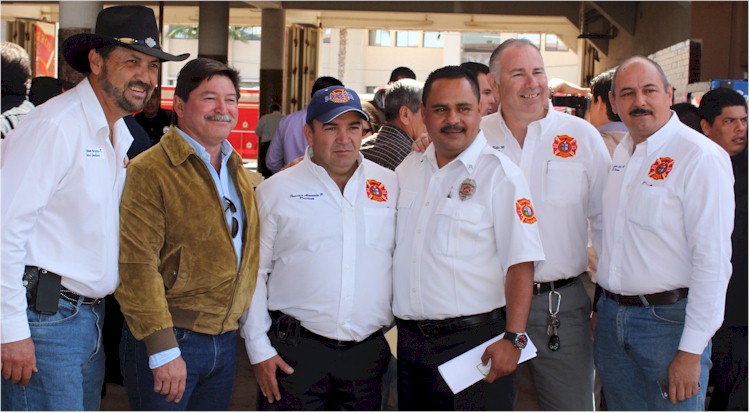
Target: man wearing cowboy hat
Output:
[(63, 171)]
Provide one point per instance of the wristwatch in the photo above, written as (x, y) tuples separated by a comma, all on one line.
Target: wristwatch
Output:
[(519, 340)]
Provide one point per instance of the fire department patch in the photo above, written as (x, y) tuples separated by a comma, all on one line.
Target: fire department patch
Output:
[(376, 191), (661, 168), (564, 146), (525, 211), (339, 96)]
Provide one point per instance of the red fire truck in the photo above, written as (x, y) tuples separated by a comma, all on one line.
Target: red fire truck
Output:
[(243, 137)]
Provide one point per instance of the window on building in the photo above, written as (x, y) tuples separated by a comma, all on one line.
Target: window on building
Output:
[(327, 36), (433, 39), (407, 38), (245, 33), (380, 38), (535, 38), (552, 43)]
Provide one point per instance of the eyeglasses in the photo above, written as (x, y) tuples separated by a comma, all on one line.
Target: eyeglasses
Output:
[(233, 210)]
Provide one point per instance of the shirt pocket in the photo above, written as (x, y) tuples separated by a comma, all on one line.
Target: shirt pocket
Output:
[(380, 228), (456, 229), (646, 206), (563, 182)]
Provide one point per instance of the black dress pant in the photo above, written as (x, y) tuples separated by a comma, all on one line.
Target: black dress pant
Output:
[(328, 376), (420, 385), (729, 371)]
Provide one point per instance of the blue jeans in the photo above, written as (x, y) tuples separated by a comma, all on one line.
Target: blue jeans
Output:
[(633, 349), (210, 362), (70, 360)]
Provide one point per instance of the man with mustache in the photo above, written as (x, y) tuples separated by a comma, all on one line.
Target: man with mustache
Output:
[(724, 120), (466, 243), (665, 263), (188, 251), (565, 162), (314, 329), (63, 169)]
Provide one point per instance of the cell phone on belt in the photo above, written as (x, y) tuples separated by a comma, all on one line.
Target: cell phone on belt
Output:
[(47, 293)]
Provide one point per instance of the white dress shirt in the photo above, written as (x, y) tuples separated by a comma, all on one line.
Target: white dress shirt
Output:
[(325, 257), (566, 184), (61, 185), (668, 219), (452, 254)]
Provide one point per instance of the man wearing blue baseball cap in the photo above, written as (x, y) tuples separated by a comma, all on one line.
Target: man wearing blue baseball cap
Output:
[(327, 235)]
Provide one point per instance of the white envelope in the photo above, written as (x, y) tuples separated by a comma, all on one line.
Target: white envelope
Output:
[(464, 370)]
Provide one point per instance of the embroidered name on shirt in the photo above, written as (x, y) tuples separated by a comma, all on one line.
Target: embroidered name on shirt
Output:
[(661, 168), (94, 152), (617, 168), (525, 211), (376, 191), (307, 197), (564, 146)]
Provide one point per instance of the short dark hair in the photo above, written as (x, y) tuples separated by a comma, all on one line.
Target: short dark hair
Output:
[(275, 107), (16, 69), (688, 114), (714, 102), (324, 82), (401, 72), (197, 70), (600, 87), (449, 72), (476, 67)]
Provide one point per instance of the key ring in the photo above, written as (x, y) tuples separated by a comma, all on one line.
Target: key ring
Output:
[(549, 303)]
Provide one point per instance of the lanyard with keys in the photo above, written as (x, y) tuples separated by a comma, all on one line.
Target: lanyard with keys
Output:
[(552, 321)]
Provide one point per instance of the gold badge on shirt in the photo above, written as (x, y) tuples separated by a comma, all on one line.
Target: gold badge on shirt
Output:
[(376, 191), (467, 189)]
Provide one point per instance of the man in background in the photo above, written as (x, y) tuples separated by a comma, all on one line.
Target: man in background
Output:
[(265, 129), (154, 120), (16, 74), (600, 113), (724, 120), (403, 124), (488, 102)]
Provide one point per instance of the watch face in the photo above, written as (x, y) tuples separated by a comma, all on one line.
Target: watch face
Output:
[(521, 341)]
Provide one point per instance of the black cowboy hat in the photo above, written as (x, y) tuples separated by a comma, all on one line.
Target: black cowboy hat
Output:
[(133, 27)]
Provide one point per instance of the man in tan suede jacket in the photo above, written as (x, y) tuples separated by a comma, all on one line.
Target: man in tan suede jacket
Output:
[(188, 252)]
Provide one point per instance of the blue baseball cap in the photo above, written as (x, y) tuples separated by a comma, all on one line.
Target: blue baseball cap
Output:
[(329, 103)]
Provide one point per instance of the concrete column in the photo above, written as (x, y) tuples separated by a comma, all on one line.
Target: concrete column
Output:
[(213, 21), (75, 17), (271, 58)]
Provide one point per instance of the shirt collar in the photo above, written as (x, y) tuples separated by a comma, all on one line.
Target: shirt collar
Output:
[(468, 158), (658, 138), (226, 148)]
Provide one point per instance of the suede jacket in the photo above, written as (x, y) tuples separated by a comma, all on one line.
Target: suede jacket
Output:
[(178, 266)]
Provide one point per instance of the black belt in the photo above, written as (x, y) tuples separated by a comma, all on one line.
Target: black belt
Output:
[(541, 288), (72, 297), (303, 332), (432, 328), (663, 298)]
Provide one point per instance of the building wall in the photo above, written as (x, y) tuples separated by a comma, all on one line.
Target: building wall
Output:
[(722, 26), (370, 66), (243, 56)]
